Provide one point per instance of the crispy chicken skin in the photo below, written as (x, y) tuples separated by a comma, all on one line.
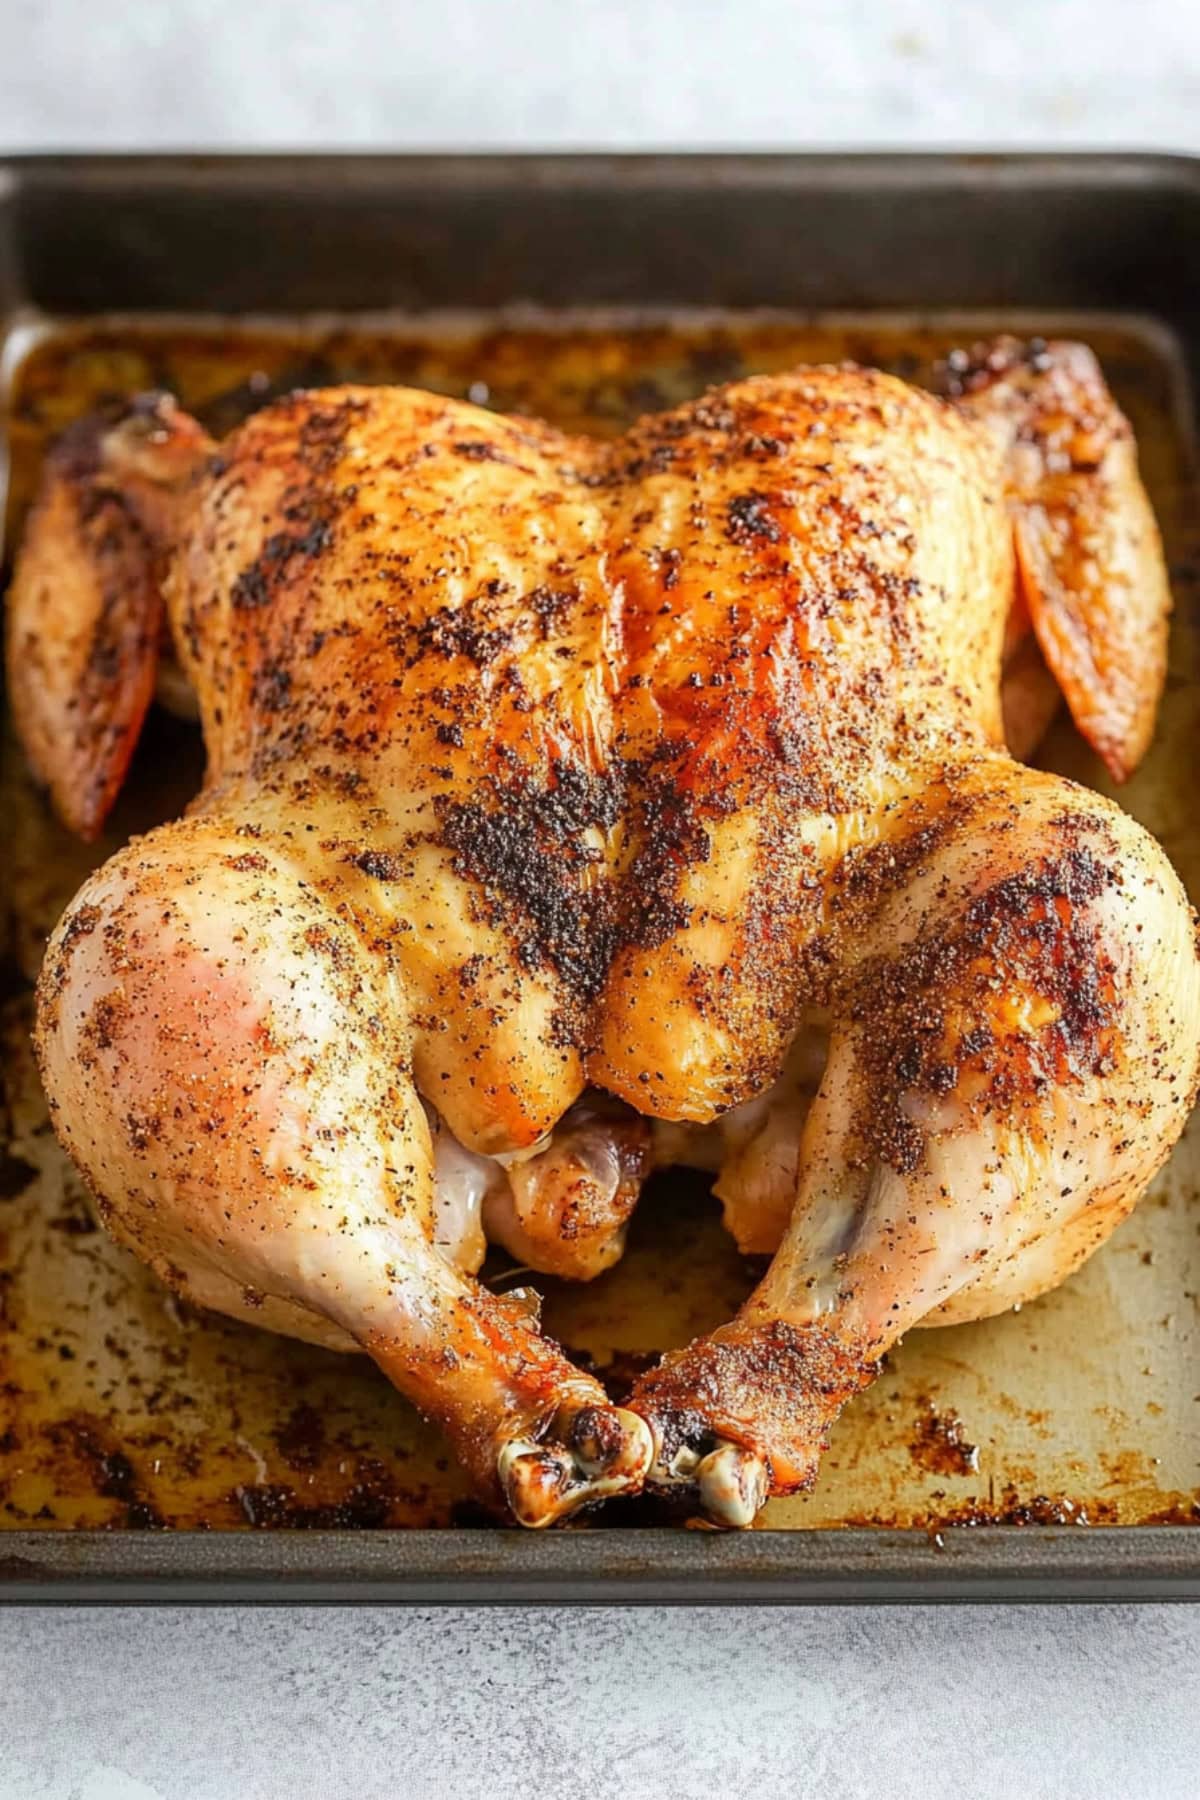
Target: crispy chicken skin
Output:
[(539, 766)]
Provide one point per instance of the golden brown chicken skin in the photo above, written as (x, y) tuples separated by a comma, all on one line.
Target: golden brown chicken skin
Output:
[(540, 766)]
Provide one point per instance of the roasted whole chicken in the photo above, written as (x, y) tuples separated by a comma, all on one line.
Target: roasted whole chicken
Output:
[(574, 808)]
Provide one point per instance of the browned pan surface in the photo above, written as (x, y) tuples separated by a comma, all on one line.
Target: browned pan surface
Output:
[(118, 1408)]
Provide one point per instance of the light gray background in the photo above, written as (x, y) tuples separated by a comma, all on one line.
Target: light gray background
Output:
[(254, 1705)]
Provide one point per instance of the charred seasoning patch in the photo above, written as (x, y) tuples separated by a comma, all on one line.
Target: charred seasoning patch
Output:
[(311, 509), (271, 688), (80, 924), (749, 520), (482, 450), (531, 848), (380, 865), (528, 847), (323, 430), (925, 1015), (477, 450), (867, 875), (940, 1444), (102, 1028), (257, 583), (671, 837), (549, 605), (469, 631)]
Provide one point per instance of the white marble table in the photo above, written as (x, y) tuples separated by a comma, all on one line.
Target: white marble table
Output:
[(920, 1702), (915, 1704), (600, 72)]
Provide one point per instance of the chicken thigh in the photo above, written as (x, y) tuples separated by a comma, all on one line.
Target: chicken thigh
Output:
[(554, 790)]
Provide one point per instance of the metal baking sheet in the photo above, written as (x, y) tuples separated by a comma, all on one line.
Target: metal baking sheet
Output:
[(145, 1450)]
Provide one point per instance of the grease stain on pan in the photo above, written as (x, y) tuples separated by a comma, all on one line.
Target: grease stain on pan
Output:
[(122, 1410)]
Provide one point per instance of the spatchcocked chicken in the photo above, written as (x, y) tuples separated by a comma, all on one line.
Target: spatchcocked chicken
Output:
[(576, 807)]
